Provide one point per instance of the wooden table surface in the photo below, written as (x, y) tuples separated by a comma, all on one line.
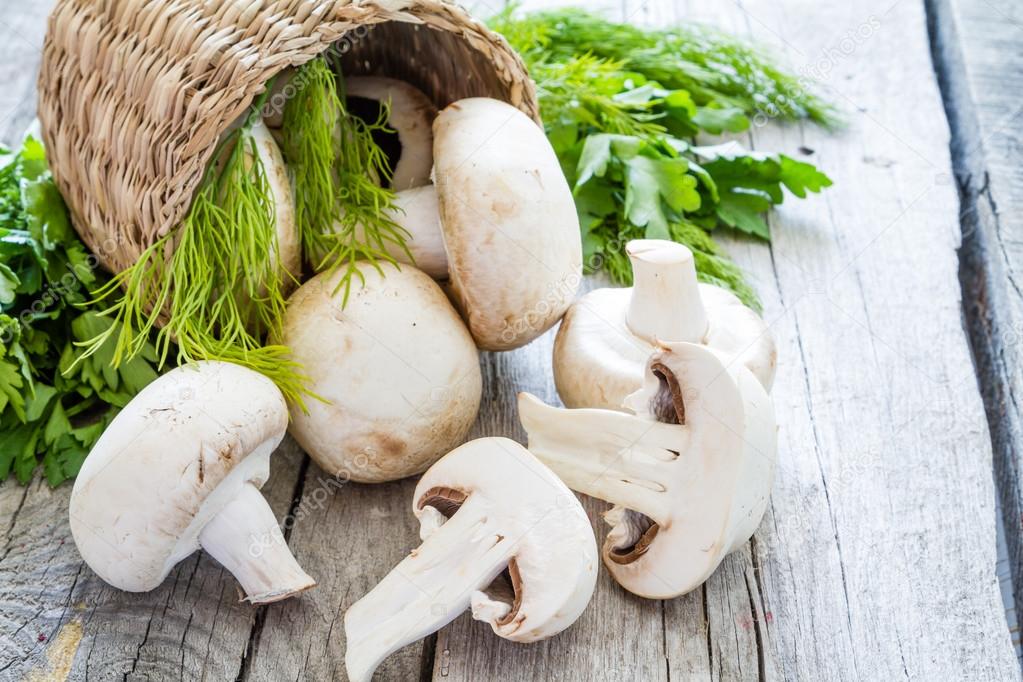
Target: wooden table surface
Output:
[(876, 559)]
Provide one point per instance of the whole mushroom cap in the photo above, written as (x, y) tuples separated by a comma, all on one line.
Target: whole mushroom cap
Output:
[(509, 222), (600, 352), (168, 463), (396, 366), (595, 341), (289, 242)]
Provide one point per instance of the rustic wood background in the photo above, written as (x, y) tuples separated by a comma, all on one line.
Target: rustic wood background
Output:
[(876, 560)]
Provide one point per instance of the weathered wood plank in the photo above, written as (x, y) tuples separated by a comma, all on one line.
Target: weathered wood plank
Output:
[(619, 637), (880, 539), (192, 627), (874, 562), (22, 29), (976, 51), (347, 536)]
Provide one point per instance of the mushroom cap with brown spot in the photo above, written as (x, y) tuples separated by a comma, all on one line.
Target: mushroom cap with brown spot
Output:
[(509, 222), (396, 367), (167, 464)]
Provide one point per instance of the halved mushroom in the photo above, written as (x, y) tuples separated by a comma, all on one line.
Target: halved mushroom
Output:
[(180, 468), (608, 334), (502, 535), (396, 366), (500, 223), (411, 114), (690, 471)]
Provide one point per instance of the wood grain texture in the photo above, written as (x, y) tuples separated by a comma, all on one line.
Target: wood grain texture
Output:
[(876, 558), (976, 50), (597, 646), (880, 540), (348, 536)]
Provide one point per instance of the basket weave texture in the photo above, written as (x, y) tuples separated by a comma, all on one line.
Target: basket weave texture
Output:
[(135, 94)]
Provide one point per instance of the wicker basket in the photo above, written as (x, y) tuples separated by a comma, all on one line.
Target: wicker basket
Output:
[(135, 94)]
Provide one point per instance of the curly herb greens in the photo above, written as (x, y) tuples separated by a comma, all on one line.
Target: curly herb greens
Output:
[(54, 403), (338, 172), (622, 106), (216, 283)]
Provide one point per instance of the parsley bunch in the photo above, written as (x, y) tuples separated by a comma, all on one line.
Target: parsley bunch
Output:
[(53, 404), (623, 107)]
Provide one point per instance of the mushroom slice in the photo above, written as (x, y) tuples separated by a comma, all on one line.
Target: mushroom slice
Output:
[(396, 366), (411, 117), (180, 468), (502, 535), (608, 334), (690, 471)]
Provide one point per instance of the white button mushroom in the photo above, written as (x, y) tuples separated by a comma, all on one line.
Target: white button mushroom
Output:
[(690, 472), (500, 222), (268, 153), (608, 334), (180, 468), (289, 243), (488, 509), (396, 367), (411, 116)]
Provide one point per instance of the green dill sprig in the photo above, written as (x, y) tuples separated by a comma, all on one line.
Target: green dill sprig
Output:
[(216, 283), (623, 107), (339, 173), (715, 68)]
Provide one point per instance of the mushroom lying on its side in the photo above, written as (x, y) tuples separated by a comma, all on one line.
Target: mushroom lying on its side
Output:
[(289, 243), (500, 223), (411, 117), (268, 153), (397, 368), (608, 334), (180, 468), (690, 472), (488, 509)]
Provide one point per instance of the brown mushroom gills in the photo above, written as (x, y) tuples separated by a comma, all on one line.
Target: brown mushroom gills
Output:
[(642, 531), (668, 407), (506, 587)]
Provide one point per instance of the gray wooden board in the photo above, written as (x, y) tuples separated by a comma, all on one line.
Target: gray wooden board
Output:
[(876, 559), (978, 56)]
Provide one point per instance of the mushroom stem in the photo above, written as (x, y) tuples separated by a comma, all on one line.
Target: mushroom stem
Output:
[(428, 589), (608, 455), (245, 538), (417, 212), (666, 303)]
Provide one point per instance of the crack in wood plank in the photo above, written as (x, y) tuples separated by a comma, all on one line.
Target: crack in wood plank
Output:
[(972, 49)]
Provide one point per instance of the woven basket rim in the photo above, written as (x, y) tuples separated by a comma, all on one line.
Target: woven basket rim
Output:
[(134, 95)]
